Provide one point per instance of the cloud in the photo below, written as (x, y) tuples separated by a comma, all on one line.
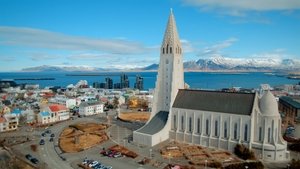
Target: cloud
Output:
[(42, 57), (52, 40), (187, 46), (217, 48), (7, 58), (92, 56), (239, 7)]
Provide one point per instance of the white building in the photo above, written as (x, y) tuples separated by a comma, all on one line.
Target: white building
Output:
[(69, 103), (209, 118), (45, 117), (90, 108), (169, 80), (59, 112), (8, 122)]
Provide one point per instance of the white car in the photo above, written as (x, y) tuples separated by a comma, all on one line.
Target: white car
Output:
[(93, 164)]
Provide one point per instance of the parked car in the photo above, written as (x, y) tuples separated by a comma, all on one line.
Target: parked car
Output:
[(52, 135), (42, 142), (117, 154), (34, 160), (28, 156), (51, 139), (94, 163), (48, 131), (43, 134)]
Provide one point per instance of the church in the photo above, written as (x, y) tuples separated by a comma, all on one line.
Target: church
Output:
[(209, 118)]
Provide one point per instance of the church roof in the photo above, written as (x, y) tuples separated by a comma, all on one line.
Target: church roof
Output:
[(171, 35), (215, 101)]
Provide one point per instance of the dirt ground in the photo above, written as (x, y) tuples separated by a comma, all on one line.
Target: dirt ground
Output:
[(82, 136), (134, 116), (197, 155)]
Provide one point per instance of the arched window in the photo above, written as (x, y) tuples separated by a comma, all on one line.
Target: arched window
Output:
[(163, 50), (225, 129), (269, 135), (190, 124), (235, 131), (198, 125), (207, 127), (216, 128), (176, 49), (260, 134), (246, 133), (167, 48), (171, 50), (175, 122), (182, 123)]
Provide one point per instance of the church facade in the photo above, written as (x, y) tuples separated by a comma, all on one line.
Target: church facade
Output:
[(222, 120), (209, 118)]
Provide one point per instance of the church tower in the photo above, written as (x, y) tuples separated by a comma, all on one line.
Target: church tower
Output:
[(169, 80), (170, 72)]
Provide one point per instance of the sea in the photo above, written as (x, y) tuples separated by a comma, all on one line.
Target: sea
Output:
[(196, 80)]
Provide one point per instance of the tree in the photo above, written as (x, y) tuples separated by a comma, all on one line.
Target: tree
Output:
[(243, 152), (115, 102)]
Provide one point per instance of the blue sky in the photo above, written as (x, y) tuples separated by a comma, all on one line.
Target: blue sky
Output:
[(128, 33)]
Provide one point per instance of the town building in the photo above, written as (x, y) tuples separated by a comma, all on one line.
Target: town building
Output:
[(209, 118), (124, 82), (139, 82), (45, 117), (8, 122), (108, 83), (289, 107), (59, 112), (90, 108)]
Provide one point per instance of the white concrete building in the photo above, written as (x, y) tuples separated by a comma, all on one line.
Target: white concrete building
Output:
[(169, 80), (45, 117), (223, 119), (8, 122), (90, 108), (209, 118)]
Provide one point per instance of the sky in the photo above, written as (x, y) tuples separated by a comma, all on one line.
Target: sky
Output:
[(128, 33)]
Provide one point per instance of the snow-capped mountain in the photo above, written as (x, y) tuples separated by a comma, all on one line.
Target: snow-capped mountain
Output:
[(212, 64), (65, 68)]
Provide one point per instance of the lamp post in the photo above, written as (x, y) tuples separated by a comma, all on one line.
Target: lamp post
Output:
[(205, 163), (246, 167), (150, 153), (169, 158), (288, 166)]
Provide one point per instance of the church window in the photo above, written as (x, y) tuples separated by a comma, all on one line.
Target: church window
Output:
[(167, 49), (225, 129), (198, 125), (207, 125), (269, 135), (216, 128), (235, 131), (246, 133), (259, 134), (174, 120), (190, 124), (171, 50), (182, 123), (176, 50), (163, 50)]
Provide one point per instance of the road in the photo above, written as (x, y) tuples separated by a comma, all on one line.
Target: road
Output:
[(50, 154)]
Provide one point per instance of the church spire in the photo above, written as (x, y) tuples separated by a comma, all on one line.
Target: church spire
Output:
[(171, 37)]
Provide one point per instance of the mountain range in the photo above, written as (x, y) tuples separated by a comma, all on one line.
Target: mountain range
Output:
[(211, 64)]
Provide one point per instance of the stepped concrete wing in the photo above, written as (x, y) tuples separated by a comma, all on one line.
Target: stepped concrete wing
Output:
[(156, 124)]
